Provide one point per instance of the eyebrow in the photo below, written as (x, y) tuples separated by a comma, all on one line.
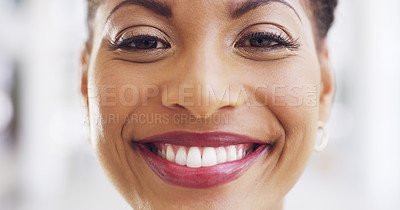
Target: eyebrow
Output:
[(253, 4), (157, 7), (165, 10)]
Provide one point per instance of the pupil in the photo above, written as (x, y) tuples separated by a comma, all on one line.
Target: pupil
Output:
[(260, 42), (146, 44)]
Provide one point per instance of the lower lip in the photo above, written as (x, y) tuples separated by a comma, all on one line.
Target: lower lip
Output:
[(203, 177)]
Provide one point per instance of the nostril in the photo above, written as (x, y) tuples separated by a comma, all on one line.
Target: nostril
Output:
[(179, 106), (227, 107)]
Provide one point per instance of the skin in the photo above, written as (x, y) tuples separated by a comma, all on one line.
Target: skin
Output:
[(277, 96)]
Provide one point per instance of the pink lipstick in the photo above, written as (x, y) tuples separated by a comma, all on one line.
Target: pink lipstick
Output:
[(200, 160)]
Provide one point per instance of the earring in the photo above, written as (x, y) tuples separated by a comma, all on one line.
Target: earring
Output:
[(324, 143)]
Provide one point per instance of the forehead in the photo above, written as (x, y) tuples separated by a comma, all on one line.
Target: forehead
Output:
[(171, 8)]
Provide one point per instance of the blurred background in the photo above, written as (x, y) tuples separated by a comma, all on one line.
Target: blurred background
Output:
[(46, 163)]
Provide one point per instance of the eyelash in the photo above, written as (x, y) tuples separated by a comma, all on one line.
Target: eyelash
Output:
[(270, 37), (126, 43), (265, 36)]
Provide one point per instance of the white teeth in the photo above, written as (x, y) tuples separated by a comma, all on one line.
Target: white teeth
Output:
[(231, 154), (240, 154), (194, 158), (209, 157), (181, 156), (159, 153), (221, 155), (170, 153), (163, 155)]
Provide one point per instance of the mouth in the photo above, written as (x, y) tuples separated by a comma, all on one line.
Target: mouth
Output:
[(200, 160)]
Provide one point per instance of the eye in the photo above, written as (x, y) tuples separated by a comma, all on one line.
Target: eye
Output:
[(266, 40), (142, 42), (259, 42)]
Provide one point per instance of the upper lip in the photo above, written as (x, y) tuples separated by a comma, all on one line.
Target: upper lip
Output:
[(208, 139)]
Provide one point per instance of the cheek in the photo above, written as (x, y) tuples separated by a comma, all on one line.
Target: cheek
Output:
[(288, 88), (120, 94), (291, 92), (116, 90), (115, 93)]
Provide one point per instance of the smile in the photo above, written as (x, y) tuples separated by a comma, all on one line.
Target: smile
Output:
[(200, 160)]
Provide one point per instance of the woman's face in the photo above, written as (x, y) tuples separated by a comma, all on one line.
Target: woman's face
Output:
[(205, 104)]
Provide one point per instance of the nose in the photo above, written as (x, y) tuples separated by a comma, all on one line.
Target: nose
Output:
[(202, 85)]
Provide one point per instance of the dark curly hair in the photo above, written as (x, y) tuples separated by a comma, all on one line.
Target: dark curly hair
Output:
[(322, 11)]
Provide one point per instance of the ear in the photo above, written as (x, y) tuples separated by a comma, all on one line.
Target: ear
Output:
[(84, 88), (327, 83)]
